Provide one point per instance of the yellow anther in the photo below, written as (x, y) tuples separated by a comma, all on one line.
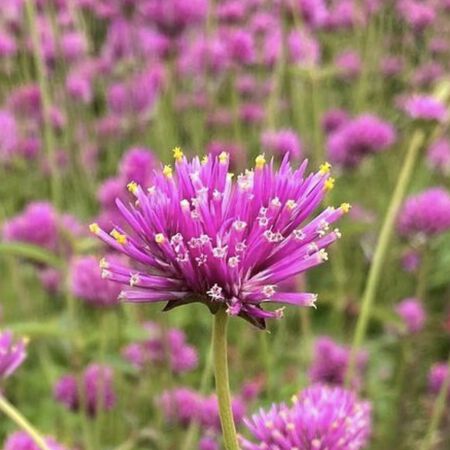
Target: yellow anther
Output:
[(260, 161), (294, 399), (329, 184), (159, 238), (345, 207), (26, 340), (223, 158), (119, 237), (132, 186), (94, 228), (205, 160), (167, 171), (325, 168), (177, 154), (103, 264), (290, 204), (230, 176)]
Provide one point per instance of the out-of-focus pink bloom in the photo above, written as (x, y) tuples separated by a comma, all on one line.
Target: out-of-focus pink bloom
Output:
[(12, 353), (21, 441), (412, 314), (280, 142), (93, 392), (334, 119), (88, 284), (348, 64), (438, 156), (425, 107), (437, 376)]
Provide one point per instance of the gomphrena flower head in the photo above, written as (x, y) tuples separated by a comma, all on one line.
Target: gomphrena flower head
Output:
[(87, 283), (331, 361), (12, 353), (412, 313), (21, 441), (93, 391), (426, 214), (438, 156), (425, 108), (184, 406), (436, 378), (200, 234), (161, 347), (280, 142), (357, 138), (321, 417)]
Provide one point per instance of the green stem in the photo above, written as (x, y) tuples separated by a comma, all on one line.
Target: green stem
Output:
[(194, 427), (382, 246), (55, 181), (438, 411), (222, 381), (424, 270), (23, 423)]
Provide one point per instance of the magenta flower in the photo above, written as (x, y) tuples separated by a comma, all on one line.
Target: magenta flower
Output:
[(94, 391), (87, 283), (21, 441), (199, 236), (425, 107), (183, 406), (321, 417), (331, 361), (160, 346), (282, 142), (436, 378), (438, 156), (357, 138), (427, 213), (412, 314), (12, 353)]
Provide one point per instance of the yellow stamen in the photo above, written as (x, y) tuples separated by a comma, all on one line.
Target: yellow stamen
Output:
[(290, 204), (94, 228), (329, 184), (260, 161), (159, 238), (223, 158), (205, 160), (230, 176), (325, 168), (167, 171), (345, 207), (119, 237), (177, 154), (132, 186)]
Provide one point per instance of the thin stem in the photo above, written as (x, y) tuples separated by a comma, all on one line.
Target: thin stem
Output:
[(222, 381), (23, 423), (424, 270), (382, 246), (438, 411), (55, 181), (194, 426)]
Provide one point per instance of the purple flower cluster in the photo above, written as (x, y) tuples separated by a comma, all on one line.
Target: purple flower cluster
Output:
[(424, 107), (436, 377), (282, 142), (197, 235), (183, 406), (438, 156), (359, 137), (87, 283), (412, 313), (331, 361), (21, 441), (159, 346), (426, 213), (92, 392), (12, 353), (321, 417)]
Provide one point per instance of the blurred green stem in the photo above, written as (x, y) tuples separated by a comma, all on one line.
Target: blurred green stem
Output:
[(23, 423), (382, 246), (194, 427), (222, 380), (55, 181), (438, 412), (424, 269)]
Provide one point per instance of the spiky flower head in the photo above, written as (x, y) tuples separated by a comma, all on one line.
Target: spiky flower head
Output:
[(321, 417), (200, 234), (12, 353), (21, 441)]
